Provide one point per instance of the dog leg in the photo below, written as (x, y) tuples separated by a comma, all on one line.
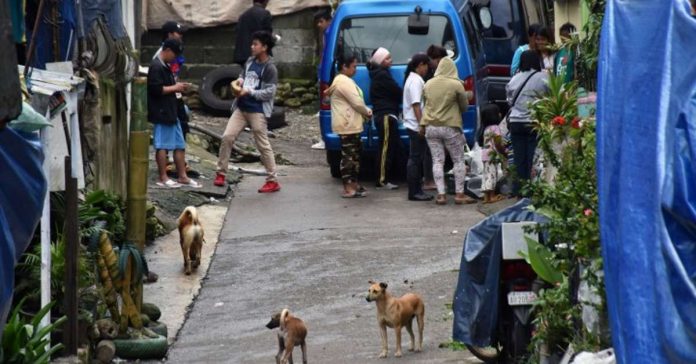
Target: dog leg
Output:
[(397, 332), (287, 355), (409, 328), (304, 353), (421, 325), (281, 348), (187, 258), (383, 334)]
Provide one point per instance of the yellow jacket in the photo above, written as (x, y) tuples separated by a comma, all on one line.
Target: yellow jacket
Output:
[(348, 110), (444, 96)]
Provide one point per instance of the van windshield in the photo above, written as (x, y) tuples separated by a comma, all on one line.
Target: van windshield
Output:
[(361, 36)]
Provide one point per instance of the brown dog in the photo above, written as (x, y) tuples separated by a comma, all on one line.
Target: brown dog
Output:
[(397, 313), (191, 238), (293, 332)]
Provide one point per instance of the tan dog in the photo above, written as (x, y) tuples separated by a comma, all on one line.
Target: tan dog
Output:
[(191, 238), (397, 313), (293, 332)]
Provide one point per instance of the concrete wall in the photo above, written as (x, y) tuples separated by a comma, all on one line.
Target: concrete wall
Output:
[(207, 48), (573, 11)]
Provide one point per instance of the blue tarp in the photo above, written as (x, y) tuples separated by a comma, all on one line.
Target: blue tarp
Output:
[(646, 161), (476, 297), (65, 27), (22, 192)]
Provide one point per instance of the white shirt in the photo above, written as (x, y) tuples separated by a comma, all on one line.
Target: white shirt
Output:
[(413, 93)]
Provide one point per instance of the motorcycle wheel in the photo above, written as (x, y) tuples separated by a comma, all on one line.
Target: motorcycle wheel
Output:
[(520, 338), (487, 354)]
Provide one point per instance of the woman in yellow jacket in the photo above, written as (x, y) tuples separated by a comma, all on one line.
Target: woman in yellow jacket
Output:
[(348, 113), (445, 100)]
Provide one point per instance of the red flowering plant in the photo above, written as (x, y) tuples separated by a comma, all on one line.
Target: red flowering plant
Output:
[(570, 251)]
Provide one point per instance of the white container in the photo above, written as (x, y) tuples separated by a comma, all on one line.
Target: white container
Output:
[(513, 238)]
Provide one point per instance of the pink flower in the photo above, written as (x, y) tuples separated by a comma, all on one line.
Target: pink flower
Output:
[(558, 121), (575, 123), (588, 212)]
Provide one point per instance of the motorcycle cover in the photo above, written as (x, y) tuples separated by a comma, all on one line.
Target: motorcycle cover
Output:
[(476, 298), (646, 162), (22, 192)]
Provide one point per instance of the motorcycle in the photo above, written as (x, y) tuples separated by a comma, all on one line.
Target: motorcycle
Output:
[(518, 290)]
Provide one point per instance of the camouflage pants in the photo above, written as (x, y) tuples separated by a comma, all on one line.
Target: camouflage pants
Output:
[(350, 157)]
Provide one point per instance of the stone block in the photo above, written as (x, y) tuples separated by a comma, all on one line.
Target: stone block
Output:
[(300, 20), (296, 37), (218, 55), (196, 72)]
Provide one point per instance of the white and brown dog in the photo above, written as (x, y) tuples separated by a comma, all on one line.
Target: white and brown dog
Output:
[(191, 238), (397, 313), (293, 332)]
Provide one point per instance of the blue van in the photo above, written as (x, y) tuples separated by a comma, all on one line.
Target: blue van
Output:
[(360, 26)]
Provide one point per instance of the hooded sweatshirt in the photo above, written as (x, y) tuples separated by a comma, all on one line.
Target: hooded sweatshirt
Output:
[(348, 110), (444, 97), (385, 93)]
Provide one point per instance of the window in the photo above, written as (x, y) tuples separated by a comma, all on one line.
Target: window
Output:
[(501, 15), (361, 36)]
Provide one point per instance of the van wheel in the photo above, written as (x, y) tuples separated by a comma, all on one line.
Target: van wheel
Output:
[(333, 158)]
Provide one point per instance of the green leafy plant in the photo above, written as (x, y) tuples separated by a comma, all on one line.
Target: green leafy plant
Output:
[(24, 341), (566, 193)]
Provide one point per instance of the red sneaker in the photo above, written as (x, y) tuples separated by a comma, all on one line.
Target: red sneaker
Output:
[(270, 186), (220, 180)]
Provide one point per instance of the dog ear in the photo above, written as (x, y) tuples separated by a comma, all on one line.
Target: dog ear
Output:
[(371, 282), (383, 285)]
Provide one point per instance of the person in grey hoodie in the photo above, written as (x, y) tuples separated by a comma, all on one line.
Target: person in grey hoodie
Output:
[(522, 90), (255, 89)]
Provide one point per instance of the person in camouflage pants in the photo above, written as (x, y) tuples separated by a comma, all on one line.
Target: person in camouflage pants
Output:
[(350, 161)]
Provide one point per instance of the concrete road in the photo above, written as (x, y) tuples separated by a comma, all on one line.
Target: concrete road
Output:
[(307, 249)]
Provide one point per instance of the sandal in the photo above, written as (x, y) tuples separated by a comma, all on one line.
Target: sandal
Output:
[(441, 200), (191, 183), (168, 184), (496, 198), (460, 199), (355, 194)]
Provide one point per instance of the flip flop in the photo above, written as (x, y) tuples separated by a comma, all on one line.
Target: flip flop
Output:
[(496, 198), (191, 183), (168, 184)]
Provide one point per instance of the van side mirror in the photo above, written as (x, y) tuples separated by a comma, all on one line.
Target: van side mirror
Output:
[(418, 23), (485, 17)]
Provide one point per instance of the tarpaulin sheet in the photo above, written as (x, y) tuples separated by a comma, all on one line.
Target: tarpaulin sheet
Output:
[(108, 10), (476, 298), (22, 192), (210, 13), (646, 161), (63, 25)]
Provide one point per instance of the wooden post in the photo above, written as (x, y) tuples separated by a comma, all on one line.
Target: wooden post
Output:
[(71, 237)]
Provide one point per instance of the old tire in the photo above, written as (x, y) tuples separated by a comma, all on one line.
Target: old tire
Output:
[(277, 120), (152, 311), (333, 158), (155, 348), (211, 87)]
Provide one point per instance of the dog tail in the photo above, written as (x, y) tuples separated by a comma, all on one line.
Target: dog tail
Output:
[(189, 215), (283, 317)]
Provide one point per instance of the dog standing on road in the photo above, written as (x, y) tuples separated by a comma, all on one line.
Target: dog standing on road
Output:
[(397, 313), (191, 238), (293, 332)]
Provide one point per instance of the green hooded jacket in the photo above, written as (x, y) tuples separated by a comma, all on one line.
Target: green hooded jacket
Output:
[(444, 96)]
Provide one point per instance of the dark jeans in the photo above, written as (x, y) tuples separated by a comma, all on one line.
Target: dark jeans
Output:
[(390, 151), (524, 143), (414, 168)]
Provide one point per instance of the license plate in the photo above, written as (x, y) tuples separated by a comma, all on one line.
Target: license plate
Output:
[(522, 298)]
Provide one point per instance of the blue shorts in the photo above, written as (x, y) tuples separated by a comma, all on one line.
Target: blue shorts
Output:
[(168, 137)]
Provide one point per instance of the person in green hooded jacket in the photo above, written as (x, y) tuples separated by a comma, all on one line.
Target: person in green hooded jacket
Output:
[(445, 99)]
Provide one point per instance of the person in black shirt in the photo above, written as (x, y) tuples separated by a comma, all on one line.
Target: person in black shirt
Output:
[(385, 96), (163, 93), (257, 18)]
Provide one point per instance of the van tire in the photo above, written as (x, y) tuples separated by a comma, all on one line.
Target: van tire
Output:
[(333, 158), (211, 84)]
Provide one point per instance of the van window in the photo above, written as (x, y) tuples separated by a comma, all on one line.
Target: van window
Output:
[(501, 14), (361, 36)]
